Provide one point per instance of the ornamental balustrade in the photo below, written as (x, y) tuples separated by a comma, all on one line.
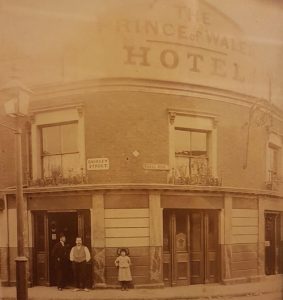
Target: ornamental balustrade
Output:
[(57, 178), (190, 170)]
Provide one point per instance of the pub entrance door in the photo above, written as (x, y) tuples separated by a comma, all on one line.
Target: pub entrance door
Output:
[(272, 243), (47, 228), (190, 247)]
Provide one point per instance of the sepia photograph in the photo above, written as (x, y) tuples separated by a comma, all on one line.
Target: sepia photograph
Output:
[(141, 149)]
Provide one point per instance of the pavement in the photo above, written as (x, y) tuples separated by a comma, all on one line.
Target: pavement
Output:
[(271, 288)]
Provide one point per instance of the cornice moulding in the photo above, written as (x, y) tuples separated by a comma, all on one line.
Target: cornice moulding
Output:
[(149, 187), (147, 86)]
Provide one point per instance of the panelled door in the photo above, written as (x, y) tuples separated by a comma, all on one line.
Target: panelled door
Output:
[(272, 243), (190, 244), (204, 246), (40, 248)]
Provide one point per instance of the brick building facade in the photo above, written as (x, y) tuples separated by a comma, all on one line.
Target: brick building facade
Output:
[(183, 172)]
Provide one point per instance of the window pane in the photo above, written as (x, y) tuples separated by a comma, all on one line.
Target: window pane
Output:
[(198, 143), (182, 142), (70, 164), (182, 165), (69, 138), (199, 166), (52, 166), (51, 140), (274, 160)]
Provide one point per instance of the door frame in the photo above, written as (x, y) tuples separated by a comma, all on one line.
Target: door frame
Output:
[(276, 243), (81, 226), (170, 257)]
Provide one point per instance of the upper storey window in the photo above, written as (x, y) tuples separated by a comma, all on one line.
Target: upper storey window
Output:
[(193, 153), (60, 152), (273, 153), (58, 145), (273, 160)]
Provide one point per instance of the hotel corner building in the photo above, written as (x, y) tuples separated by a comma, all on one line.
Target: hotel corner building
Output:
[(151, 128)]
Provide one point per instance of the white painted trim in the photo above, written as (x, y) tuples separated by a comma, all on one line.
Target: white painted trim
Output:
[(190, 112), (55, 108)]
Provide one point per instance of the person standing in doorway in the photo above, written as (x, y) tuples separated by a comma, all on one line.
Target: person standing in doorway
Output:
[(60, 255), (123, 263), (79, 256)]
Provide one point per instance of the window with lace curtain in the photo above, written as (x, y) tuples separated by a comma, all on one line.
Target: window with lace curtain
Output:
[(191, 152), (193, 148)]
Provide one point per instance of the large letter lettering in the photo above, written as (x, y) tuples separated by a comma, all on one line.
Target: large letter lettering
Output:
[(174, 59), (218, 65), (132, 56), (195, 57)]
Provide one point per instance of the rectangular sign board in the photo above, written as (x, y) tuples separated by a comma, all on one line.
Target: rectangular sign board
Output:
[(98, 164), (150, 166)]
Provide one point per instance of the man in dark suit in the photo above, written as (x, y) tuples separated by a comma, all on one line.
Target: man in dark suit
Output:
[(60, 255)]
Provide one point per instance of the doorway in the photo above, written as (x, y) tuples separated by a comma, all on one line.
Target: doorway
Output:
[(272, 243), (67, 223), (190, 247), (47, 228)]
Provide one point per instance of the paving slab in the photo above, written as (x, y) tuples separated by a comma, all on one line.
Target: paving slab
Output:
[(270, 288)]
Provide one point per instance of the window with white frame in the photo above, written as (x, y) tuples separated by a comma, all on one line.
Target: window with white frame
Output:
[(273, 158), (58, 143), (193, 142)]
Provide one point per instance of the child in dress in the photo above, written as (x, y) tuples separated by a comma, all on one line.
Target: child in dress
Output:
[(123, 263)]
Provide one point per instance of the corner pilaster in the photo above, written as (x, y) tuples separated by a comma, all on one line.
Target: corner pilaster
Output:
[(226, 257), (155, 238), (98, 239)]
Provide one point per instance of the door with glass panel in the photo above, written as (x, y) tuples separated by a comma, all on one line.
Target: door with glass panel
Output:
[(176, 248)]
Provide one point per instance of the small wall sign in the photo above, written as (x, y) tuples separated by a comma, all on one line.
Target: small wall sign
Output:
[(150, 166), (98, 164)]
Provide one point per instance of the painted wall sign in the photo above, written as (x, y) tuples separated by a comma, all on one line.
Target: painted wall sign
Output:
[(150, 166), (175, 41), (97, 164)]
